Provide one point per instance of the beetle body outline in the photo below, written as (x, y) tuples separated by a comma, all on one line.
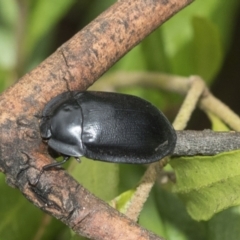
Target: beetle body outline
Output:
[(105, 126)]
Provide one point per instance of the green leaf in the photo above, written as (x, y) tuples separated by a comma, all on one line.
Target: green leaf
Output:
[(208, 185), (8, 49), (153, 52), (151, 218), (99, 178), (178, 33), (207, 48), (43, 16), (132, 61), (217, 124), (122, 201), (8, 46), (176, 221), (97, 7), (19, 218), (225, 225), (8, 13), (22, 220)]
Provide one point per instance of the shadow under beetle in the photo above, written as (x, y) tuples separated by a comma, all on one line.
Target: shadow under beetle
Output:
[(106, 126)]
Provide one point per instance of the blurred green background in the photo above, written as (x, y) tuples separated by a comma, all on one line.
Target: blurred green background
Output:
[(202, 39)]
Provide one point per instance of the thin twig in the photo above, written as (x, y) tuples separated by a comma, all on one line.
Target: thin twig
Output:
[(206, 143), (142, 191), (221, 110), (190, 102)]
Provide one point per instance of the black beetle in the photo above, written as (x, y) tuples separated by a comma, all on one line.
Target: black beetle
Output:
[(105, 126)]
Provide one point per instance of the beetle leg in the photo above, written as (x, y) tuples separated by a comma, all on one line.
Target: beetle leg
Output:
[(52, 165), (48, 166), (78, 159)]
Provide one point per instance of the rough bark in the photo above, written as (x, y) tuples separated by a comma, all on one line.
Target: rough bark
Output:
[(207, 142)]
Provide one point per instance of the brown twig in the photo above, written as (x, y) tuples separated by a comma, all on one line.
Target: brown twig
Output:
[(75, 65)]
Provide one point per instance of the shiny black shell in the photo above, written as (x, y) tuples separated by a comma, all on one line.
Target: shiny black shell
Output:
[(105, 126)]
